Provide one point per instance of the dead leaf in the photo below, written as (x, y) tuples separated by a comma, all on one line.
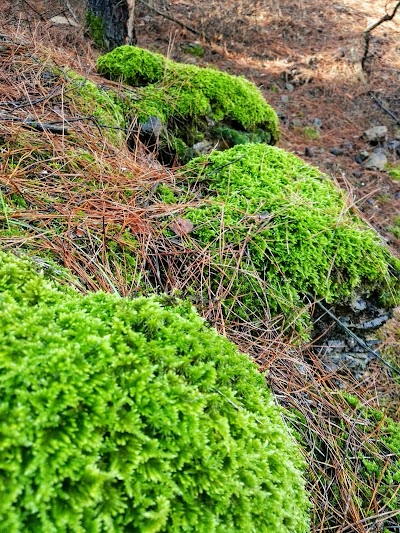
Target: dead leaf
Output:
[(181, 226)]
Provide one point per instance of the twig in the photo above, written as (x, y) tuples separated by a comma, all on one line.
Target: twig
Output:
[(371, 27), (172, 19), (390, 113), (35, 11)]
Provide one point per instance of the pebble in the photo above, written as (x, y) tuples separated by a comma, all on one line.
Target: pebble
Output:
[(284, 99), (296, 122), (309, 152), (289, 87), (362, 156), (317, 123)]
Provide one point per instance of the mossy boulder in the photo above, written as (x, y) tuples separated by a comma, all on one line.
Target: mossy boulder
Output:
[(133, 415), (272, 218), (191, 100)]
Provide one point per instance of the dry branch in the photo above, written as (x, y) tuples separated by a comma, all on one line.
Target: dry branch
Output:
[(172, 19), (371, 27)]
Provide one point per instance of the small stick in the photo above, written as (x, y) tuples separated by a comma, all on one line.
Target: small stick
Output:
[(390, 113), (172, 19)]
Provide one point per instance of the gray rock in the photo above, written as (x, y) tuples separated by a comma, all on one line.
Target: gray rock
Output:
[(317, 123), (284, 99), (375, 323), (296, 123), (359, 304), (152, 126), (376, 161), (393, 146), (347, 146), (64, 21), (289, 87), (336, 151), (203, 147), (376, 134), (397, 195)]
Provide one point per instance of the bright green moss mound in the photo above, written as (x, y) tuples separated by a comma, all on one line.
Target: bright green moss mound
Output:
[(121, 415), (293, 227), (133, 65), (180, 91)]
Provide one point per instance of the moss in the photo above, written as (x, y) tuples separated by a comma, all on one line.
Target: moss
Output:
[(96, 28), (178, 91), (298, 233), (104, 105), (311, 132), (166, 195), (194, 49), (394, 172), (133, 415), (133, 65), (395, 229), (232, 137)]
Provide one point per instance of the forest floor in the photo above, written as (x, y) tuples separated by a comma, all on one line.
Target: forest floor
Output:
[(306, 58)]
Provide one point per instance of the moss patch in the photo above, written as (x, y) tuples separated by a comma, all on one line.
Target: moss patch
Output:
[(96, 28), (122, 415), (202, 96), (103, 104), (293, 224)]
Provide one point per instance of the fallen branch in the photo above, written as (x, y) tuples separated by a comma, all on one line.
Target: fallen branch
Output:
[(379, 103), (172, 19), (371, 27)]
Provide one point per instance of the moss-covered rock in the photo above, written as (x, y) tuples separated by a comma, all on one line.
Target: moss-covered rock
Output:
[(187, 97), (295, 230), (133, 415)]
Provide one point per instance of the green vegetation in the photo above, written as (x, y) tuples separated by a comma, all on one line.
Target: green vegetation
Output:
[(96, 28), (395, 229), (293, 224), (133, 65), (394, 172), (103, 104), (311, 132), (133, 415), (176, 92), (194, 49)]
